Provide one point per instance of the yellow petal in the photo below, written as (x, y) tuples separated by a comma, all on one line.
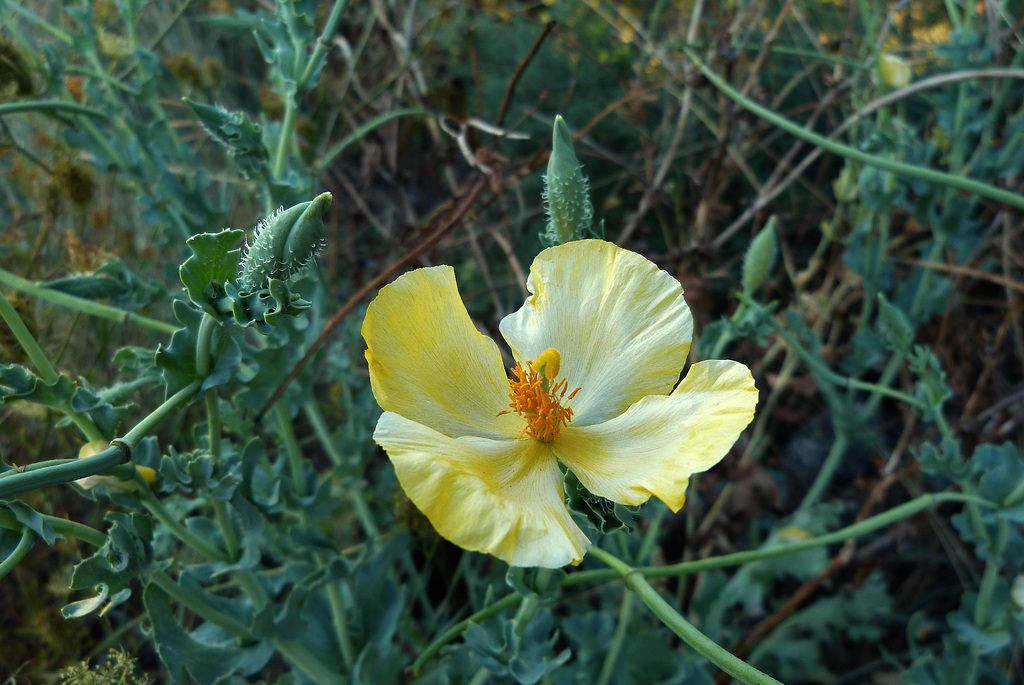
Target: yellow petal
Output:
[(500, 497), (429, 363), (619, 323), (654, 447)]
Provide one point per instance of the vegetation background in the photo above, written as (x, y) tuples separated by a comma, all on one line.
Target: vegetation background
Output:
[(885, 328)]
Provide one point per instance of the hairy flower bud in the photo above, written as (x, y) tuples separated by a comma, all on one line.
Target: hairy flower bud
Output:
[(566, 191), (285, 243)]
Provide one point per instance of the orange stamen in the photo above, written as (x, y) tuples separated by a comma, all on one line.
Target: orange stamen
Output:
[(537, 397)]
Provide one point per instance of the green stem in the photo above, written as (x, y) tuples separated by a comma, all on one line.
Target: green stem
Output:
[(868, 525), (608, 667), (169, 406), (44, 368), (59, 526), (25, 545), (711, 651), (198, 604), (83, 305), (323, 44), (943, 178), (291, 109), (175, 527), (300, 656), (323, 434), (49, 106), (826, 472), (506, 602), (340, 620), (991, 576), (291, 448), (58, 471)]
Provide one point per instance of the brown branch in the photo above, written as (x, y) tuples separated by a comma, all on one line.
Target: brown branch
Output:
[(514, 81)]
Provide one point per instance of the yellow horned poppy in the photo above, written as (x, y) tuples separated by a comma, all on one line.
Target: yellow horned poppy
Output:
[(598, 346)]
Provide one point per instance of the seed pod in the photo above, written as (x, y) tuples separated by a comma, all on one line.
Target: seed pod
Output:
[(566, 191), (285, 243)]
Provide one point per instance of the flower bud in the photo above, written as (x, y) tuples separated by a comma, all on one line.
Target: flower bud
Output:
[(760, 257), (285, 243), (566, 191), (895, 72)]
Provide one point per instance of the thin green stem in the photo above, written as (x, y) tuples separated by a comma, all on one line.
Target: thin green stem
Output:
[(700, 642), (621, 630), (323, 44), (169, 406), (340, 620), (44, 368), (931, 175), (156, 508), (291, 109), (60, 35), (990, 578), (352, 489), (291, 448), (83, 305), (506, 602), (300, 656), (24, 546), (49, 106), (826, 472), (197, 603), (868, 525)]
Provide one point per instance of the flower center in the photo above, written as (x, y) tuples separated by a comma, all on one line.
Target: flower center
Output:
[(537, 396)]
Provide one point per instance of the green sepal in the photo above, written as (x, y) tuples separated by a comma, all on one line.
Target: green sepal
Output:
[(240, 136), (212, 264), (603, 514), (566, 192), (261, 308)]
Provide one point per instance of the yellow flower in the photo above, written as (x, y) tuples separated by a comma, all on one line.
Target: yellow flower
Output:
[(598, 348)]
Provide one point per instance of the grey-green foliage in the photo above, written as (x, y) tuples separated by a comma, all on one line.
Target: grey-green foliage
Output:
[(566, 191)]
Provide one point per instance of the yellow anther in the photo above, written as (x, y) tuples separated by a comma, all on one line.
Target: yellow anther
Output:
[(537, 396)]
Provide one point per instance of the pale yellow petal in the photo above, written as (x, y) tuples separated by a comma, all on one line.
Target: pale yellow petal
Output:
[(500, 497), (429, 363), (659, 442), (620, 324)]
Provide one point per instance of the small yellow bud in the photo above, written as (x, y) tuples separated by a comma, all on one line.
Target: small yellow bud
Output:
[(148, 474), (794, 534), (895, 71)]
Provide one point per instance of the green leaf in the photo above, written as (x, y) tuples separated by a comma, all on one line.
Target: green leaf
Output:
[(212, 264), (240, 136), (527, 659), (896, 333), (31, 519)]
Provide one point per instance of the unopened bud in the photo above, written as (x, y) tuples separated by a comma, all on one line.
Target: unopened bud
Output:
[(285, 243)]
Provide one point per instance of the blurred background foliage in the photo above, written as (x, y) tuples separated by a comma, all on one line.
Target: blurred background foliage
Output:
[(127, 127)]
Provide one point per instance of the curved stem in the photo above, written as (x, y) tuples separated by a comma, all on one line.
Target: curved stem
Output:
[(608, 667), (198, 604), (299, 655), (323, 44), (506, 602), (42, 364), (711, 651), (291, 448), (943, 178), (25, 545), (175, 527)]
